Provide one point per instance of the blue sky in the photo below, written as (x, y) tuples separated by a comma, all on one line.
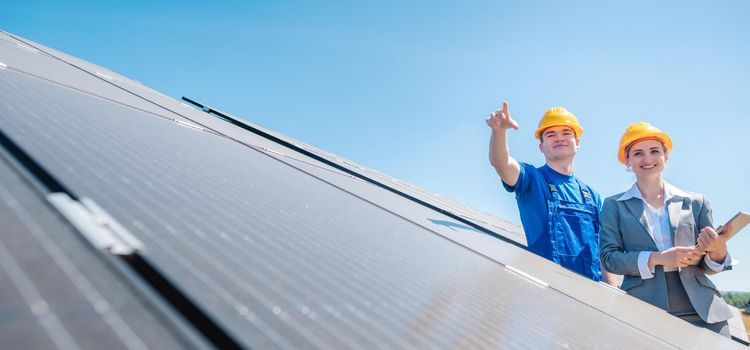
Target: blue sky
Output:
[(404, 87)]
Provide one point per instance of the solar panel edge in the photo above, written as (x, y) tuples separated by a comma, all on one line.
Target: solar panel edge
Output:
[(469, 217), (135, 271), (249, 127)]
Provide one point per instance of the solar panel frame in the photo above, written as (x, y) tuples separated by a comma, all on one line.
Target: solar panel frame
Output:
[(59, 292)]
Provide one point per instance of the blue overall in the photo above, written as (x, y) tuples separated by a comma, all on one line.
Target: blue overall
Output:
[(573, 231)]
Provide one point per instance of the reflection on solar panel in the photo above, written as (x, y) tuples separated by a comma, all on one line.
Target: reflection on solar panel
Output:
[(56, 292), (280, 245)]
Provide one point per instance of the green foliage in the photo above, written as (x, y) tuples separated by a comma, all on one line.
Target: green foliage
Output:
[(737, 299)]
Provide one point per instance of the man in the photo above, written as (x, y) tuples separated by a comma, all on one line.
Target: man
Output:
[(559, 213)]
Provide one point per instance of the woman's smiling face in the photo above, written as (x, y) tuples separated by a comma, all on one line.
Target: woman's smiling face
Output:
[(647, 158)]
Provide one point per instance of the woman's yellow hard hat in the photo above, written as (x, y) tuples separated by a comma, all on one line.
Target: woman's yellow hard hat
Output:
[(638, 131), (558, 116)]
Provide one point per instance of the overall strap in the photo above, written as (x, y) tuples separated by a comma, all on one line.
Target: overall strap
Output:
[(586, 192), (551, 188), (588, 197)]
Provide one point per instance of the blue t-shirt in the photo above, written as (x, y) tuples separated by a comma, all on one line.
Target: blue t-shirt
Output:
[(531, 194)]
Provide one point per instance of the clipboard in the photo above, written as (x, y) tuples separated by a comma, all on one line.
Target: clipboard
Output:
[(738, 221)]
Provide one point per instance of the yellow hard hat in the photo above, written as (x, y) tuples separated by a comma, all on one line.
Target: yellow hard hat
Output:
[(558, 116), (639, 131)]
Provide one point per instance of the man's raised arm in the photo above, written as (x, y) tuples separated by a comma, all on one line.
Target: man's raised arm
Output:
[(507, 167)]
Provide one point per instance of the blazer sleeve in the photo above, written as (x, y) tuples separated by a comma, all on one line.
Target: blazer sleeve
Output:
[(611, 248), (703, 219)]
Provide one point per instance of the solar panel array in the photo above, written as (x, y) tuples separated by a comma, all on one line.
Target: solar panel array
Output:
[(282, 250)]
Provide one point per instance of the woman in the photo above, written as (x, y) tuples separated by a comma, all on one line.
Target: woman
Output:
[(662, 238)]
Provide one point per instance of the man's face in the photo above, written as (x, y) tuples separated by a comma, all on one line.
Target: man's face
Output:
[(559, 142)]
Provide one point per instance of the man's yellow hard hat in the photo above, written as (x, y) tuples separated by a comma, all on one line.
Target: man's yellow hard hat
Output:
[(558, 116), (639, 131)]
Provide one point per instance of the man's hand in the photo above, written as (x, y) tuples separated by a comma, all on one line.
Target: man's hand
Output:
[(500, 119), (507, 167), (714, 244), (676, 257)]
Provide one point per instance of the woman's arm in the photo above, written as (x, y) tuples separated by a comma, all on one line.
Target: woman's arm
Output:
[(611, 248)]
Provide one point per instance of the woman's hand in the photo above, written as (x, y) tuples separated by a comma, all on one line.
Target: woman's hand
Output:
[(676, 257), (714, 244)]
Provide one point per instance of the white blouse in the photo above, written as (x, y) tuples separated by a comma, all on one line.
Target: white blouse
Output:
[(659, 229)]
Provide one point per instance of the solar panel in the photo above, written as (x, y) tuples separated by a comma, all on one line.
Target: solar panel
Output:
[(287, 252), (110, 85), (57, 292), (737, 326)]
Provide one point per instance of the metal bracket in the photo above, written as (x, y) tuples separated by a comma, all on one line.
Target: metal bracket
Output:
[(96, 225)]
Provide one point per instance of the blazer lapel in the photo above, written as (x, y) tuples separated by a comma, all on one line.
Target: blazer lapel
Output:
[(676, 213), (674, 208), (635, 206)]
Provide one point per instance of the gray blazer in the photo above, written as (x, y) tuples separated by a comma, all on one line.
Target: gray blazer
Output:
[(624, 235)]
